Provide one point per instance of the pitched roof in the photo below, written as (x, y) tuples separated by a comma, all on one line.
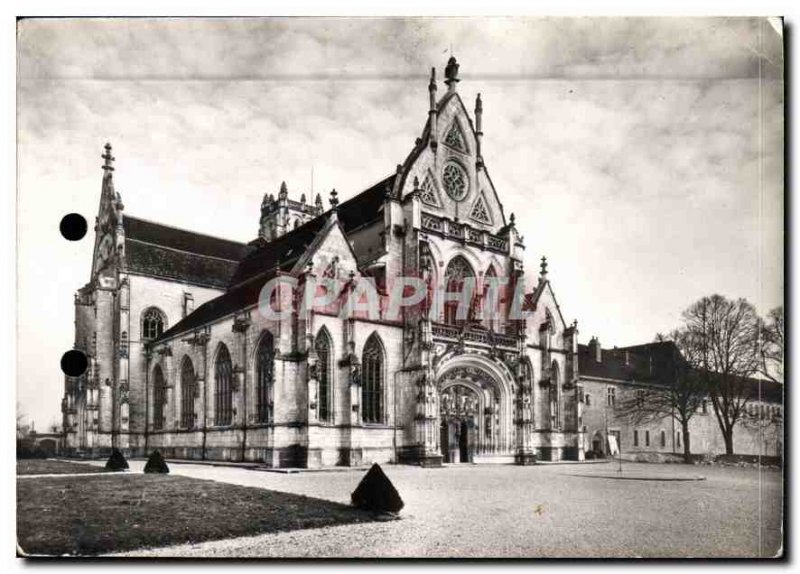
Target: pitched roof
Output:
[(172, 253), (267, 258), (652, 363), (614, 363)]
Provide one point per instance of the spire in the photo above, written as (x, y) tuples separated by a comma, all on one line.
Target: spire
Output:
[(318, 203), (334, 200), (478, 131), (451, 73), (303, 199), (284, 193), (432, 115), (109, 159)]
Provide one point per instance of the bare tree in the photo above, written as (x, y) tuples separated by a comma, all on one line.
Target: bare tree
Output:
[(678, 390), (723, 336), (772, 344)]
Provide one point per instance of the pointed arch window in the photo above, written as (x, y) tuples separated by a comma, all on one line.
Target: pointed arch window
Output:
[(458, 278), (265, 378), (153, 322), (372, 380), (455, 139), (555, 396), (159, 398), (490, 300), (188, 392), (322, 346), (223, 387)]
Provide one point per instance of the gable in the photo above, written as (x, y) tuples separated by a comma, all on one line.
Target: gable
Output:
[(545, 307), (452, 184)]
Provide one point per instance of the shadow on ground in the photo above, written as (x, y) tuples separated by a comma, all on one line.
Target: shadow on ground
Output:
[(113, 513)]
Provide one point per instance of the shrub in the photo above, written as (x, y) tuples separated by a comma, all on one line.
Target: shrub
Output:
[(376, 492), (116, 461), (156, 464)]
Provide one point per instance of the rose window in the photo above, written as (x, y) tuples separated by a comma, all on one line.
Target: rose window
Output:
[(454, 180)]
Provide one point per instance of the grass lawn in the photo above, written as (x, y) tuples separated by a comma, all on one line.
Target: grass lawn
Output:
[(42, 466), (92, 515)]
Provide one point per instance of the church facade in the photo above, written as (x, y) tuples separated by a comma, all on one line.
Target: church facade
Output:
[(395, 326)]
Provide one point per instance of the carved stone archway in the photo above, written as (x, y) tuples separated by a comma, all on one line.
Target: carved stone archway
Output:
[(474, 396)]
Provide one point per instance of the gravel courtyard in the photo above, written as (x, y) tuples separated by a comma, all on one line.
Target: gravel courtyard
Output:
[(510, 511)]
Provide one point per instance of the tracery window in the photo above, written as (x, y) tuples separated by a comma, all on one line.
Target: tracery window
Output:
[(454, 139), (427, 192), (373, 373), (457, 276), (455, 181), (265, 378), (223, 387), (188, 385), (152, 324), (480, 212), (159, 398), (322, 346)]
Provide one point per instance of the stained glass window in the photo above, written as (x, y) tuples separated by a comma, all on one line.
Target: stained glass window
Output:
[(372, 365), (480, 212), (223, 387), (152, 324), (265, 374), (159, 398), (427, 192), (187, 393), (454, 139), (322, 345), (458, 272), (454, 180)]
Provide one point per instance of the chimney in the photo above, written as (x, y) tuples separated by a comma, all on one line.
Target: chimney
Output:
[(595, 349)]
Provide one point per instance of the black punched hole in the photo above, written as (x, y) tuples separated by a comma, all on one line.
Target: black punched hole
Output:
[(73, 363), (73, 226)]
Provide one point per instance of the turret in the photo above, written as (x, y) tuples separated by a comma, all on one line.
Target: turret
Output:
[(282, 215)]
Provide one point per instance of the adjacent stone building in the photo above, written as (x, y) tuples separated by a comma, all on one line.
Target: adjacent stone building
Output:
[(186, 357), (609, 380)]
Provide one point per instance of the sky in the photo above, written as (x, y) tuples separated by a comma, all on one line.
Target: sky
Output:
[(643, 157)]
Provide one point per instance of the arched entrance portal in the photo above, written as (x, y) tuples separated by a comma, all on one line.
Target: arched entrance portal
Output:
[(475, 421), (459, 410)]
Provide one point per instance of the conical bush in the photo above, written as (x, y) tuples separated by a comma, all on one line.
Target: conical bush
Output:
[(376, 492), (116, 461), (156, 464)]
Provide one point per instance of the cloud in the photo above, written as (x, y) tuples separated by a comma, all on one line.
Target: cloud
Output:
[(635, 148)]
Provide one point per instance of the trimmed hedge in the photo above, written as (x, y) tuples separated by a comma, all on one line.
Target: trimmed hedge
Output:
[(116, 461), (156, 464), (376, 492)]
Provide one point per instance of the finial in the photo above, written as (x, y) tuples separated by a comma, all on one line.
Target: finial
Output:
[(109, 159), (416, 182), (451, 73), (334, 199), (271, 198), (543, 267), (478, 104), (318, 201), (303, 198), (432, 83), (284, 190), (512, 219)]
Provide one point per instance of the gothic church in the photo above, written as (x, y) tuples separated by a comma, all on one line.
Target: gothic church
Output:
[(181, 359)]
